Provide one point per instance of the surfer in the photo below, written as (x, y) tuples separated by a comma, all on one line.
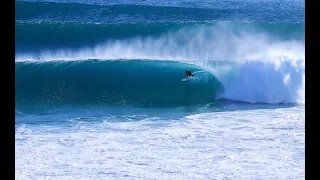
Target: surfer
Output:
[(188, 73)]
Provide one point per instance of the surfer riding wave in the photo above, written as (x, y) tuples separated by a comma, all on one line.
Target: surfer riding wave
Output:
[(188, 74)]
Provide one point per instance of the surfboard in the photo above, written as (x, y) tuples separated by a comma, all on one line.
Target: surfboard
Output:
[(186, 78)]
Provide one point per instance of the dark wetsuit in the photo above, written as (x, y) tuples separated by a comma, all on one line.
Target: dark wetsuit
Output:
[(188, 73)]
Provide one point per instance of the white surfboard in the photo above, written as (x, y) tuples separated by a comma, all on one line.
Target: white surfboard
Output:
[(186, 78)]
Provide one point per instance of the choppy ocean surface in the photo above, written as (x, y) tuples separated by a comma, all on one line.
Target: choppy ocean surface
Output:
[(99, 92)]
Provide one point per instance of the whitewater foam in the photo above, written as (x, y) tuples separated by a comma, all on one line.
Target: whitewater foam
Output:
[(234, 145), (265, 82)]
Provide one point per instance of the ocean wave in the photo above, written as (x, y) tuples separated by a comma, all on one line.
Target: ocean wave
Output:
[(249, 64), (138, 82), (157, 83)]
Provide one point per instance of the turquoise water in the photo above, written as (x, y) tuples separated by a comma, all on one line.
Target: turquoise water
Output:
[(99, 92)]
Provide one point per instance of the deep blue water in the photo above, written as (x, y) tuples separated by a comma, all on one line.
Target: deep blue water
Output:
[(147, 45)]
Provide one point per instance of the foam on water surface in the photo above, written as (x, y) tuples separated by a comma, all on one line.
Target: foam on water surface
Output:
[(266, 143)]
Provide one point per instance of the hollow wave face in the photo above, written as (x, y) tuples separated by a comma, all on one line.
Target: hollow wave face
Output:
[(137, 82)]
